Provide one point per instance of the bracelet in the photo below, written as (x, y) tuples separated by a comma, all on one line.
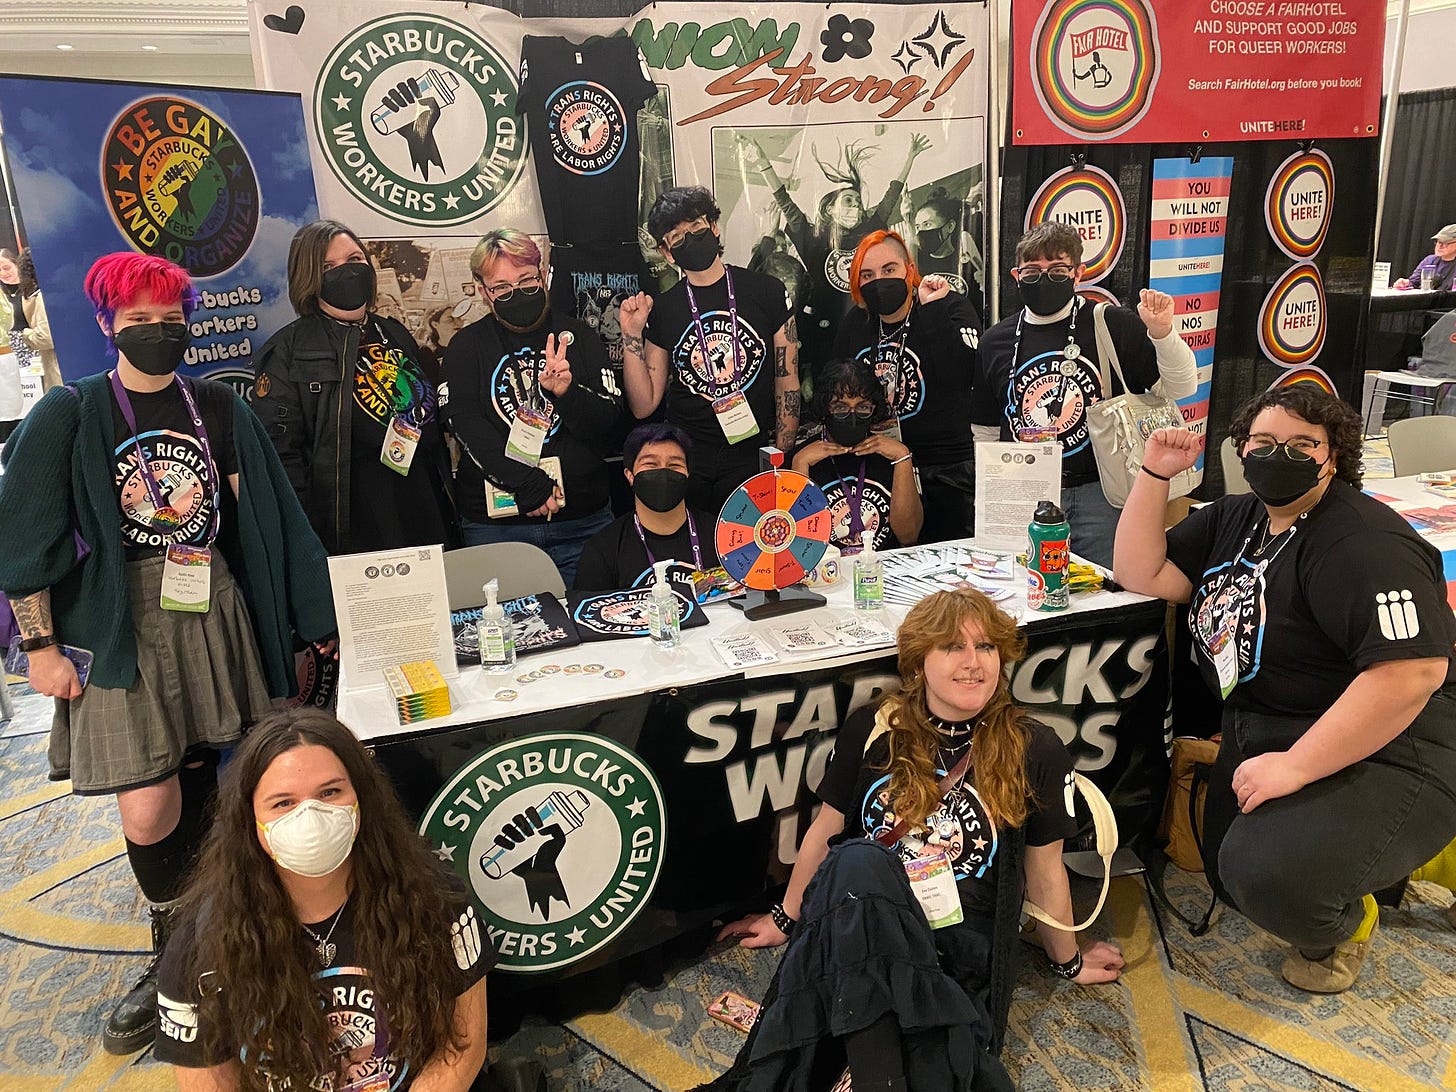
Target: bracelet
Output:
[(1070, 969), (781, 918), (1155, 474), (901, 459), (35, 644)]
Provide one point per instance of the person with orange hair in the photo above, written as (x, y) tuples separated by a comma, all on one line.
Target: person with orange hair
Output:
[(160, 565), (947, 772), (922, 339)]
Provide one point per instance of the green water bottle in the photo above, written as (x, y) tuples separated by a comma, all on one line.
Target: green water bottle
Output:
[(1048, 558)]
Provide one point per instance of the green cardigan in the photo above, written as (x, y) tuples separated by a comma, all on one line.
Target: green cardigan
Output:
[(58, 482)]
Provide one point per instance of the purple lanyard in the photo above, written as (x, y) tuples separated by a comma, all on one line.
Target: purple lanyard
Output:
[(154, 488), (856, 517), (692, 533), (733, 322)]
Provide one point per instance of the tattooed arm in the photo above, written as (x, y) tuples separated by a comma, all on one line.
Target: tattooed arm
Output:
[(786, 385), (644, 363), (51, 673)]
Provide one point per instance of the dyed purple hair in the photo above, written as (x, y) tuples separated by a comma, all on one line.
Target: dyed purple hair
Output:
[(118, 280)]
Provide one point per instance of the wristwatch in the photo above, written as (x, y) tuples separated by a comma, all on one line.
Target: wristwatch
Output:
[(35, 644)]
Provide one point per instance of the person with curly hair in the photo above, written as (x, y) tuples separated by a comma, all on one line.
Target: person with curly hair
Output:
[(320, 943), (1321, 617), (949, 769), (38, 325)]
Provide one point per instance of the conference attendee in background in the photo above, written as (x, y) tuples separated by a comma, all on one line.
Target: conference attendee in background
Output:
[(942, 245), (37, 332), (12, 317), (318, 911), (1043, 370), (720, 347), (530, 402), (866, 476), (352, 406), (1321, 616), (656, 459), (125, 506), (946, 767), (1439, 266), (922, 340)]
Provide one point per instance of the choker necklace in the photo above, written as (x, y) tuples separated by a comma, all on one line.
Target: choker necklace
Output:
[(952, 727), (321, 945)]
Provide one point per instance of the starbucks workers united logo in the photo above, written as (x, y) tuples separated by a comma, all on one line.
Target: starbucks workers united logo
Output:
[(415, 117), (561, 838)]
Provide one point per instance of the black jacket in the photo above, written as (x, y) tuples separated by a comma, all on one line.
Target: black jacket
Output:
[(303, 394)]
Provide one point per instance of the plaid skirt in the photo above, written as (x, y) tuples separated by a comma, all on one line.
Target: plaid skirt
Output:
[(199, 684)]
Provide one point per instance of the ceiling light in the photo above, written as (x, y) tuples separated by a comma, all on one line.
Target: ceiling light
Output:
[(65, 46), (151, 48)]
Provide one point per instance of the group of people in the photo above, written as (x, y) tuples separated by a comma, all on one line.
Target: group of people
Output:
[(293, 870), (25, 337)]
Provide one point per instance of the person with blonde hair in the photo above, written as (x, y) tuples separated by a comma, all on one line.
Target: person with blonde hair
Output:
[(950, 772)]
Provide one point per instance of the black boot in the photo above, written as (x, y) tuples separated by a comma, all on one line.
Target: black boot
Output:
[(133, 1023)]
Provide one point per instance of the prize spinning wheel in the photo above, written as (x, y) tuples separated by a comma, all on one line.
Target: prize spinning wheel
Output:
[(773, 530)]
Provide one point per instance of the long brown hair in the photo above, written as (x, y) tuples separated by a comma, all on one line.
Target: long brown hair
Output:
[(265, 1003), (998, 743)]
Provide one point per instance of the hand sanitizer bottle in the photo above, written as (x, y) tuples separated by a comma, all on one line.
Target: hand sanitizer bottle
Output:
[(497, 634), (664, 620), (869, 579)]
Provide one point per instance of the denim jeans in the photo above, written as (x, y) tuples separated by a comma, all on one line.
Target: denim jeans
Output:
[(561, 538), (1093, 520), (1298, 866)]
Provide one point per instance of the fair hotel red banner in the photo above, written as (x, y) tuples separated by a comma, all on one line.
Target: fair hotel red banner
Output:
[(1157, 71)]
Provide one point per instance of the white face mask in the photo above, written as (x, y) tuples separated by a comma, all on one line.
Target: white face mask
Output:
[(314, 838)]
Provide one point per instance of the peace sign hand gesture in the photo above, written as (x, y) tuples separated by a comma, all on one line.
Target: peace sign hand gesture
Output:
[(555, 371)]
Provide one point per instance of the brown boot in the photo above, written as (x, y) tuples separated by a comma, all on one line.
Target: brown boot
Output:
[(1333, 974)]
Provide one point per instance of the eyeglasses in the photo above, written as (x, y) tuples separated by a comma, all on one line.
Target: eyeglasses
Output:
[(675, 237), (1301, 448), (1030, 274), (502, 292), (844, 413)]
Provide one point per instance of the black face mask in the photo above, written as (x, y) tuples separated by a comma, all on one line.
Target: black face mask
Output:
[(154, 348), (930, 240), (1046, 296), (886, 295), (697, 251), (524, 311), (1281, 479), (662, 489), (849, 432), (348, 287)]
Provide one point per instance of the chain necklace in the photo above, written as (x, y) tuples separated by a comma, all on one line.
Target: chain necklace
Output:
[(321, 945)]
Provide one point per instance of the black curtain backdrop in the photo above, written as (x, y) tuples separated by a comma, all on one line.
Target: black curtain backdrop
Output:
[(1418, 197)]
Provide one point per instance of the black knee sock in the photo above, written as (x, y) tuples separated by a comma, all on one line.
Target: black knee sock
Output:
[(874, 1055), (161, 866)]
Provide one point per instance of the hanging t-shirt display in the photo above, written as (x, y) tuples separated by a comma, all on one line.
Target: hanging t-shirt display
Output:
[(622, 555), (1053, 381), (856, 783), (580, 103), (187, 487), (869, 481), (540, 623), (1305, 611)]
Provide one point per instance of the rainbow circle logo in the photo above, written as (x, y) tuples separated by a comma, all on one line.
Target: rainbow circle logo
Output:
[(1307, 375), (1093, 293), (1094, 65), (1298, 203), (1292, 320), (1087, 200)]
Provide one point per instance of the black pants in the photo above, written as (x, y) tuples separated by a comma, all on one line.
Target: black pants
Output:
[(716, 473), (948, 495), (1298, 866)]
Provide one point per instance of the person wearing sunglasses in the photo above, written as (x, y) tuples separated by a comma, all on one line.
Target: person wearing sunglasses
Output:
[(867, 476), (1043, 369), (1321, 618)]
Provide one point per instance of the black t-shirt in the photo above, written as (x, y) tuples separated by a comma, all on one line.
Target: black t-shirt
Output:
[(388, 509), (580, 103), (12, 292), (856, 783), (692, 386), (838, 476), (934, 363), (185, 481), (491, 372), (1350, 586), (615, 558), (346, 991), (1045, 390)]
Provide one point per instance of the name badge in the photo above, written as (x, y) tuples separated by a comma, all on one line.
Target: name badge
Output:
[(528, 435), (400, 440), (1226, 663), (932, 880), (734, 417), (187, 579)]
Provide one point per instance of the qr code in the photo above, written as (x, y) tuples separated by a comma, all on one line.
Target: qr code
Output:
[(799, 638)]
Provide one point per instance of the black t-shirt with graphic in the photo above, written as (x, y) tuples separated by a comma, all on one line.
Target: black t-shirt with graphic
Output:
[(934, 361), (856, 783), (693, 385), (580, 103), (1350, 586), (1046, 390), (174, 454), (839, 477), (615, 558)]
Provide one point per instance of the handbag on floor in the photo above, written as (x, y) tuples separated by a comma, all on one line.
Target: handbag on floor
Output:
[(1181, 827)]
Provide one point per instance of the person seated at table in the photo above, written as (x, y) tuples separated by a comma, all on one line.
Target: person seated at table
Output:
[(1440, 264), (528, 399), (867, 476), (948, 765), (315, 910), (1321, 616), (657, 460)]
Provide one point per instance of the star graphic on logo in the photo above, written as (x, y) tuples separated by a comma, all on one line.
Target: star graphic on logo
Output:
[(236, 169), (451, 201), (1248, 627), (939, 40), (341, 102), (637, 807), (905, 57), (499, 97), (445, 853), (577, 935), (123, 170), (979, 843)]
